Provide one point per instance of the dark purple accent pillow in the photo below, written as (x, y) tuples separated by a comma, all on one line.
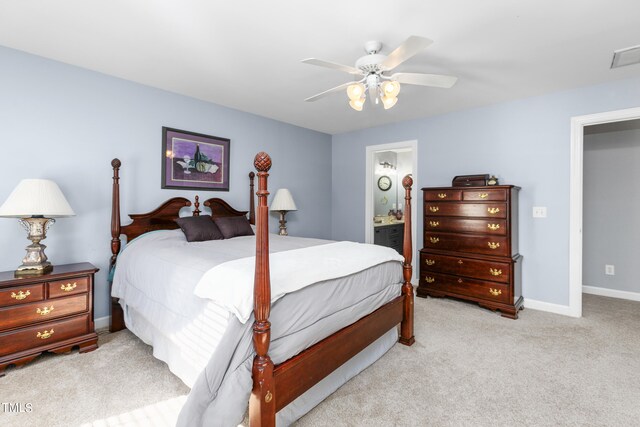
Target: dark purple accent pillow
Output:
[(233, 226), (199, 228)]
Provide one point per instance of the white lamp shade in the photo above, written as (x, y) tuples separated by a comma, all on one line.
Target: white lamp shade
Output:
[(283, 201), (34, 197)]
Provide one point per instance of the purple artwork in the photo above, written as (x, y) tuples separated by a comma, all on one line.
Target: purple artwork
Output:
[(194, 161)]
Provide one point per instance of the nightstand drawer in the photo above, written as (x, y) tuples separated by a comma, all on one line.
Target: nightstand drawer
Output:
[(21, 294), (63, 288), (43, 311), (43, 334)]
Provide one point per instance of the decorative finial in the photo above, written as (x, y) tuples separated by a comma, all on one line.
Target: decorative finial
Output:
[(262, 162), (252, 175), (407, 181), (115, 163)]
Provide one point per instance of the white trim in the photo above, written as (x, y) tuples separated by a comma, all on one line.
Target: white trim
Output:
[(564, 310), (369, 176), (575, 197), (101, 322), (611, 293)]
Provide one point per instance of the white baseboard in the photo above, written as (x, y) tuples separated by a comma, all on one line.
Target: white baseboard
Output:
[(101, 322), (612, 293), (532, 304)]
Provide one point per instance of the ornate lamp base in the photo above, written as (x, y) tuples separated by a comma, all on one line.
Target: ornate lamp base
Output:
[(35, 261), (283, 224)]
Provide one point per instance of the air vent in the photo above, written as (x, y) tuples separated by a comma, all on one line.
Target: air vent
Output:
[(628, 56)]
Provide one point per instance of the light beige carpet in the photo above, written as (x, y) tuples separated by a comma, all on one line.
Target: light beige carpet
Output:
[(469, 367)]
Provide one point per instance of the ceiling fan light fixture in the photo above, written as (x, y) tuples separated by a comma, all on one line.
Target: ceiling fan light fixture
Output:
[(355, 91), (390, 88), (357, 104), (389, 101)]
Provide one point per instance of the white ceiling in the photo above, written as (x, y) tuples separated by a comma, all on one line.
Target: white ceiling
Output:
[(246, 54)]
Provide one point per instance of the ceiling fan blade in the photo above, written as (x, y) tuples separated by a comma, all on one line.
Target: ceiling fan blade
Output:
[(329, 64), (406, 50), (329, 92), (434, 80)]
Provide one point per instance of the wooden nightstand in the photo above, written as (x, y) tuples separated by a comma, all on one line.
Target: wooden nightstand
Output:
[(53, 312)]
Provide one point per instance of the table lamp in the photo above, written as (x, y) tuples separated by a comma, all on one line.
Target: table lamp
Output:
[(283, 202), (36, 202)]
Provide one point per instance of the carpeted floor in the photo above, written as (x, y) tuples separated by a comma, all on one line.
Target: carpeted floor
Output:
[(469, 367)]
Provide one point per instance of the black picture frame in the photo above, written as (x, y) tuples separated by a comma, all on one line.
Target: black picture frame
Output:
[(194, 161)]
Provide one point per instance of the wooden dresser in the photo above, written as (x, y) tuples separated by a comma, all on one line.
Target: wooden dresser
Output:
[(470, 246), (53, 313), (390, 235)]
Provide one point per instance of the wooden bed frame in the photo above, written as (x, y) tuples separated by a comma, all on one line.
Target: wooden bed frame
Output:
[(274, 387)]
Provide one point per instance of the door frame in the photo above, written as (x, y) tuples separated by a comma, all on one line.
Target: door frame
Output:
[(369, 178), (576, 195)]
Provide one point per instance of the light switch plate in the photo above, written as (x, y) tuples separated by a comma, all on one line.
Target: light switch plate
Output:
[(539, 212), (610, 270)]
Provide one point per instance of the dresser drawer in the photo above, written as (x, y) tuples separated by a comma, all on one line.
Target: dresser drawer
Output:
[(487, 195), (461, 225), (442, 195), (21, 294), (63, 288), (489, 245), (468, 267), (43, 334), (463, 286), (27, 314), (488, 210)]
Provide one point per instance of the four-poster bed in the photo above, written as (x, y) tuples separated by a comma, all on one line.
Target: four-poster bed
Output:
[(277, 385)]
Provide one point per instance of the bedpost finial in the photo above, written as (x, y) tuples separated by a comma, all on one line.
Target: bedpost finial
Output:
[(262, 162), (252, 175), (116, 163), (407, 181)]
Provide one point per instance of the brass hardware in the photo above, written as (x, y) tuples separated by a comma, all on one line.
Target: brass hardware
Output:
[(431, 262), (460, 261), (493, 245), (20, 295), (493, 210), (442, 195), (459, 280), (495, 271), (495, 292), (69, 287), (434, 208), (268, 397), (430, 279), (434, 223), (43, 312), (493, 227), (44, 335), (434, 239), (484, 195)]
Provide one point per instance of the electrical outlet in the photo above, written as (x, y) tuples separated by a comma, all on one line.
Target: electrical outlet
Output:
[(539, 212), (610, 270)]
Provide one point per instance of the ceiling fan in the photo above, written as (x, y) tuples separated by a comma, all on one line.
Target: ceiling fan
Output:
[(374, 69)]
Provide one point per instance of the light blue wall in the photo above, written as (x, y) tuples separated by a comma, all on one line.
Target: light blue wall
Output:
[(524, 142), (66, 123)]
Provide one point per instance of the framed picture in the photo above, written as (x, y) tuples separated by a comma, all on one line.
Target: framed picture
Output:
[(194, 161)]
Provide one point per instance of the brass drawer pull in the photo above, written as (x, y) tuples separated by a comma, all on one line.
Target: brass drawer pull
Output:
[(430, 261), (493, 210), (44, 311), (495, 292), (493, 245), (429, 279), (460, 262), (434, 208), (69, 287), (495, 271), (484, 195), (44, 335), (434, 240), (493, 227), (442, 195), (434, 224), (459, 280), (20, 295)]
